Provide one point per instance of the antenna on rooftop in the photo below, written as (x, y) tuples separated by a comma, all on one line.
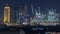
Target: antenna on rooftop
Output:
[(39, 9)]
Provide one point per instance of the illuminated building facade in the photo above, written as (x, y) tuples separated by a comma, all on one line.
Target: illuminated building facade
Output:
[(51, 15), (6, 14), (26, 16), (41, 18), (37, 18), (31, 17), (20, 16)]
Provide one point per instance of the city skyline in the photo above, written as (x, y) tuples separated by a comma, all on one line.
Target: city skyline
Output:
[(54, 4), (30, 16)]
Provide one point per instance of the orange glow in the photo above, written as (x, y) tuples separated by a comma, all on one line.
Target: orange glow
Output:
[(6, 14)]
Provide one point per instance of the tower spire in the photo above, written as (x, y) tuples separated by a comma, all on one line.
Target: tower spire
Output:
[(39, 9), (25, 8), (32, 8)]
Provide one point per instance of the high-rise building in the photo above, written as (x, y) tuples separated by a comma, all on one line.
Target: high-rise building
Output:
[(26, 15), (51, 15), (25, 11), (31, 17), (20, 16), (6, 14), (16, 13), (37, 18), (32, 8)]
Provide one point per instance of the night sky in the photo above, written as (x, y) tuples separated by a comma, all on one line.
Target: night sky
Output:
[(55, 4)]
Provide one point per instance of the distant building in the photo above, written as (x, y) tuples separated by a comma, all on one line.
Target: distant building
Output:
[(20, 16), (16, 14), (38, 17), (25, 15), (51, 15), (6, 14), (32, 8), (25, 11)]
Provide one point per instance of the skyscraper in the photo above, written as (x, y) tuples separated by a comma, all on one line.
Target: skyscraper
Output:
[(20, 16), (6, 14), (51, 15), (16, 13), (26, 15), (25, 11)]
